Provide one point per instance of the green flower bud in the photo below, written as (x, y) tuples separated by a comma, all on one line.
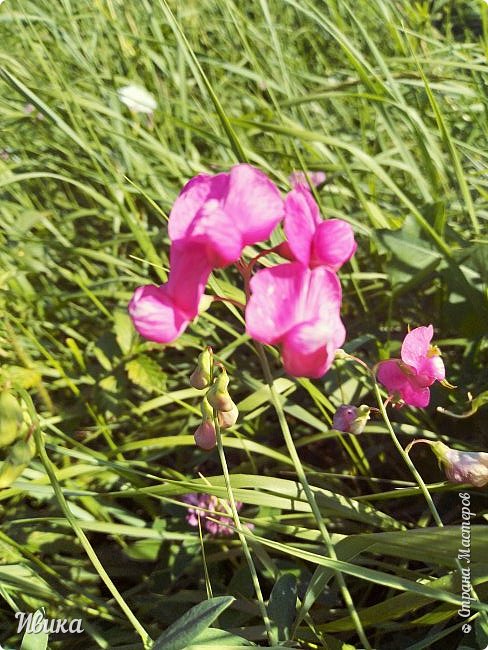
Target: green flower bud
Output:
[(200, 378), (228, 418), (218, 395), (10, 418), (351, 419)]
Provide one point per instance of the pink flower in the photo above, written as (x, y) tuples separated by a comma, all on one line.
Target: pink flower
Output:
[(226, 212), (460, 466), (297, 308), (420, 366), (215, 508), (311, 240), (300, 178), (162, 313)]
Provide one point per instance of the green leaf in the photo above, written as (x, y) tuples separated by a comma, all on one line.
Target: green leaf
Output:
[(124, 331), (34, 641), (214, 637), (146, 373), (282, 605), (186, 629)]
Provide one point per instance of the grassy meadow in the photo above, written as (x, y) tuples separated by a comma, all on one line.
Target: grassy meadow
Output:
[(342, 541)]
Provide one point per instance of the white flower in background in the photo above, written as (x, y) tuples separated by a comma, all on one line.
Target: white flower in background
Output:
[(137, 99)]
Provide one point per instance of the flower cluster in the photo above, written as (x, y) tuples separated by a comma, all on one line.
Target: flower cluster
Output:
[(208, 508), (295, 304), (217, 397)]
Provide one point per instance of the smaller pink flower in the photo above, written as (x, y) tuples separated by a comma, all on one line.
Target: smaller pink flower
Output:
[(300, 178), (217, 511), (297, 308), (311, 240), (408, 379), (162, 313)]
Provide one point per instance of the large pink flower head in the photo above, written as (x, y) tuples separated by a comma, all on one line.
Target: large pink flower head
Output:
[(226, 212), (298, 308), (311, 240), (420, 366), (212, 220)]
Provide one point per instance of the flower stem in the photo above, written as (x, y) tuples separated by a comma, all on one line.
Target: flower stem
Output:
[(419, 480), (49, 467), (290, 444), (237, 522)]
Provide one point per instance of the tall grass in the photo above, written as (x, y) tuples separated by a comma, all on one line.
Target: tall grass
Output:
[(389, 100)]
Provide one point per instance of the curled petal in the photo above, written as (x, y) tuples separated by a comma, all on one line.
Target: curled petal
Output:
[(333, 244), (226, 212), (155, 315), (301, 221), (415, 346), (309, 350), (298, 308)]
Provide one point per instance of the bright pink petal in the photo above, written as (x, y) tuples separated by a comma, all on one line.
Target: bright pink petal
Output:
[(309, 348), (191, 199), (301, 221), (416, 345), (320, 298), (389, 373), (415, 395), (155, 315), (252, 203), (189, 271), (270, 312), (214, 231), (333, 244), (298, 307), (431, 369)]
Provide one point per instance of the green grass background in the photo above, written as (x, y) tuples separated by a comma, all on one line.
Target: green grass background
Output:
[(389, 99)]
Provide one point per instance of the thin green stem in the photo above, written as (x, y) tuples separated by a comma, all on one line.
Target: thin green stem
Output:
[(49, 467), (290, 444), (247, 553), (405, 456)]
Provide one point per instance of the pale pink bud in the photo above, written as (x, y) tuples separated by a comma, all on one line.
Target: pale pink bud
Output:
[(228, 418), (205, 435), (460, 466)]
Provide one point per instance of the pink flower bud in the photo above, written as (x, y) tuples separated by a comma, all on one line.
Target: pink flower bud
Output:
[(228, 418), (351, 419), (460, 466), (205, 435)]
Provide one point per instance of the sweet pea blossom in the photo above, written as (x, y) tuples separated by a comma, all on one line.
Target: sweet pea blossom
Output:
[(162, 313), (420, 366), (298, 308), (226, 212), (351, 419), (311, 240)]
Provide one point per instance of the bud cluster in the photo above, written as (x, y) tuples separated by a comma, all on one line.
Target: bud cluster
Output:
[(17, 446), (216, 403)]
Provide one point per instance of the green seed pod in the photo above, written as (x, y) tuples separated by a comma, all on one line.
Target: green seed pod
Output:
[(10, 418), (218, 395)]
